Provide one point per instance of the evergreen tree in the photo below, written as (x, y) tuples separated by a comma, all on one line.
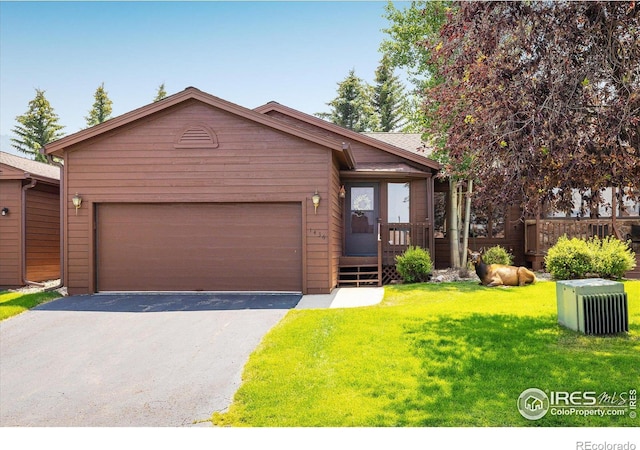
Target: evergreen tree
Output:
[(160, 94), (389, 100), (101, 110), (352, 108), (37, 127)]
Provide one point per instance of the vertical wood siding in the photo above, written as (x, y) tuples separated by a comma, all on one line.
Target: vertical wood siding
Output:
[(336, 223), (418, 198), (252, 163), (10, 234), (43, 233)]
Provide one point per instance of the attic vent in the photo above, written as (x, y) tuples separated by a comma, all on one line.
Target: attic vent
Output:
[(197, 136)]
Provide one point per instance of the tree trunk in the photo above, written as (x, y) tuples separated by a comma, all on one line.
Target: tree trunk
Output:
[(454, 235)]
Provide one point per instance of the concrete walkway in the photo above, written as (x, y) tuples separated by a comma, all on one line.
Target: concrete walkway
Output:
[(350, 297)]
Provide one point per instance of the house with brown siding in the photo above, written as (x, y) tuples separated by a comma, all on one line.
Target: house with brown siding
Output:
[(29, 221), (196, 193)]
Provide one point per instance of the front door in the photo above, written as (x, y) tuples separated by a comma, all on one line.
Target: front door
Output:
[(362, 212)]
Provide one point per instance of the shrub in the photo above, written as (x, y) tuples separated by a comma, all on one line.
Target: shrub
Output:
[(568, 259), (497, 255), (611, 257), (414, 265), (575, 258)]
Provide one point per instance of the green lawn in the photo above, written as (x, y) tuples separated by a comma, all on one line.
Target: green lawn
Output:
[(13, 303), (453, 354)]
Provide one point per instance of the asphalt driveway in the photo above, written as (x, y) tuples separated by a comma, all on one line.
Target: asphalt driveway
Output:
[(130, 360)]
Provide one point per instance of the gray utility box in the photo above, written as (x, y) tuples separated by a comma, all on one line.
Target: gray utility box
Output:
[(593, 306)]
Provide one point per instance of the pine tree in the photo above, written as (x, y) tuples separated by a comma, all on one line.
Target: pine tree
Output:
[(160, 94), (101, 110), (37, 127), (389, 100), (352, 107)]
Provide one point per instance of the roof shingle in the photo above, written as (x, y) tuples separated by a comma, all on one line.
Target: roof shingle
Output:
[(407, 141), (30, 166)]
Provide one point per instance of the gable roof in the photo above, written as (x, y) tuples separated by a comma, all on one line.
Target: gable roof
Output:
[(19, 168), (340, 148), (363, 138)]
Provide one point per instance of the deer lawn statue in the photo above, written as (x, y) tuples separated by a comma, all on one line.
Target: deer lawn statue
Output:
[(500, 274)]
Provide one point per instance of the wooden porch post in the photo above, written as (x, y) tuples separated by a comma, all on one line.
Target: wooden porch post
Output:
[(538, 232), (431, 218), (379, 253)]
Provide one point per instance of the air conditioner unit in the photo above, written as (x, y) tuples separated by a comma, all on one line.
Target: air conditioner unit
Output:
[(593, 306)]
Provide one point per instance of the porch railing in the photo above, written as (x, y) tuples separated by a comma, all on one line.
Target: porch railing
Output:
[(395, 238), (542, 234)]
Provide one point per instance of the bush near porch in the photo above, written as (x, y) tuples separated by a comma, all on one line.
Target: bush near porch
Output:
[(414, 265), (450, 354)]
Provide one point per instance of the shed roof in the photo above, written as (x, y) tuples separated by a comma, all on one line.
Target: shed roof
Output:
[(19, 168)]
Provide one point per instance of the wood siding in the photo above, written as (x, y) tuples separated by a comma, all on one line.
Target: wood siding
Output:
[(43, 233), (336, 223), (11, 234), (139, 163), (419, 204)]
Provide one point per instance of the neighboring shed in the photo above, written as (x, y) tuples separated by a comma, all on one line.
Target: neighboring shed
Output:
[(29, 221)]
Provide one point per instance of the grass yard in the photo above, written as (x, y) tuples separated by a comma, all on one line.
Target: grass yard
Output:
[(452, 354), (13, 303)]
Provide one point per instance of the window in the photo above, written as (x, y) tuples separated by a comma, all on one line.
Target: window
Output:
[(487, 222), (398, 202), (628, 207), (362, 210), (582, 205), (398, 195)]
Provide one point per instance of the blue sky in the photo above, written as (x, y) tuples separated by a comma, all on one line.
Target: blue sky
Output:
[(246, 52)]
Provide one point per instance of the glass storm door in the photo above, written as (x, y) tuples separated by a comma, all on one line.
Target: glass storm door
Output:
[(362, 212)]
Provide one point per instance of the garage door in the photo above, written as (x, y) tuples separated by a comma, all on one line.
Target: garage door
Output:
[(195, 246)]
